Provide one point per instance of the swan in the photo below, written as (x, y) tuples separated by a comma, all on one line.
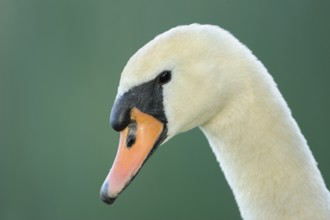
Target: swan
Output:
[(202, 76)]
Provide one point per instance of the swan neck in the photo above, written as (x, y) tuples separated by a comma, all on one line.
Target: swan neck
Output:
[(266, 160)]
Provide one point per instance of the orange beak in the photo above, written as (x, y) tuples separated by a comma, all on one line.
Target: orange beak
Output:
[(137, 141)]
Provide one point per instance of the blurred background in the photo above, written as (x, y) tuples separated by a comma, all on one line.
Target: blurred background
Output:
[(60, 63)]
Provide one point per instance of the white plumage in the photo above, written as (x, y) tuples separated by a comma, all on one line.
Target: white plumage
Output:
[(220, 86)]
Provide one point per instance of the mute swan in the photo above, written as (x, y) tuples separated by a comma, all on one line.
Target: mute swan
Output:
[(200, 75)]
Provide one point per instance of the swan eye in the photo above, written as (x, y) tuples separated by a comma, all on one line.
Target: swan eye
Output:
[(164, 77)]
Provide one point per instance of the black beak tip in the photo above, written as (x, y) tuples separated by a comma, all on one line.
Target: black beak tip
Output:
[(104, 195), (106, 199)]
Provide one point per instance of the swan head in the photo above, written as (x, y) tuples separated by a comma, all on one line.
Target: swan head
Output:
[(176, 82)]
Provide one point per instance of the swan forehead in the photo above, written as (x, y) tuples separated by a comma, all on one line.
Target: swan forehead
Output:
[(167, 51), (147, 63), (144, 66)]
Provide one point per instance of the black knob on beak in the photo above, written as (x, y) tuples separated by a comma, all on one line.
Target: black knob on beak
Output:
[(120, 114)]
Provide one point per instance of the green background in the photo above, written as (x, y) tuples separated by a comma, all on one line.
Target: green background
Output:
[(60, 63)]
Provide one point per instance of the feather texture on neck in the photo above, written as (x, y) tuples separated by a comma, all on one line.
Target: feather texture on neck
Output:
[(264, 156)]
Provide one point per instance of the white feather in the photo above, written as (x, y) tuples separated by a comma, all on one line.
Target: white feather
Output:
[(220, 86)]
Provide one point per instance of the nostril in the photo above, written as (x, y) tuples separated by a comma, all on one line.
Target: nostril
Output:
[(130, 140)]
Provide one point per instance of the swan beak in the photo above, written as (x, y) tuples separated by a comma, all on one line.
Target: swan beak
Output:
[(137, 141)]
